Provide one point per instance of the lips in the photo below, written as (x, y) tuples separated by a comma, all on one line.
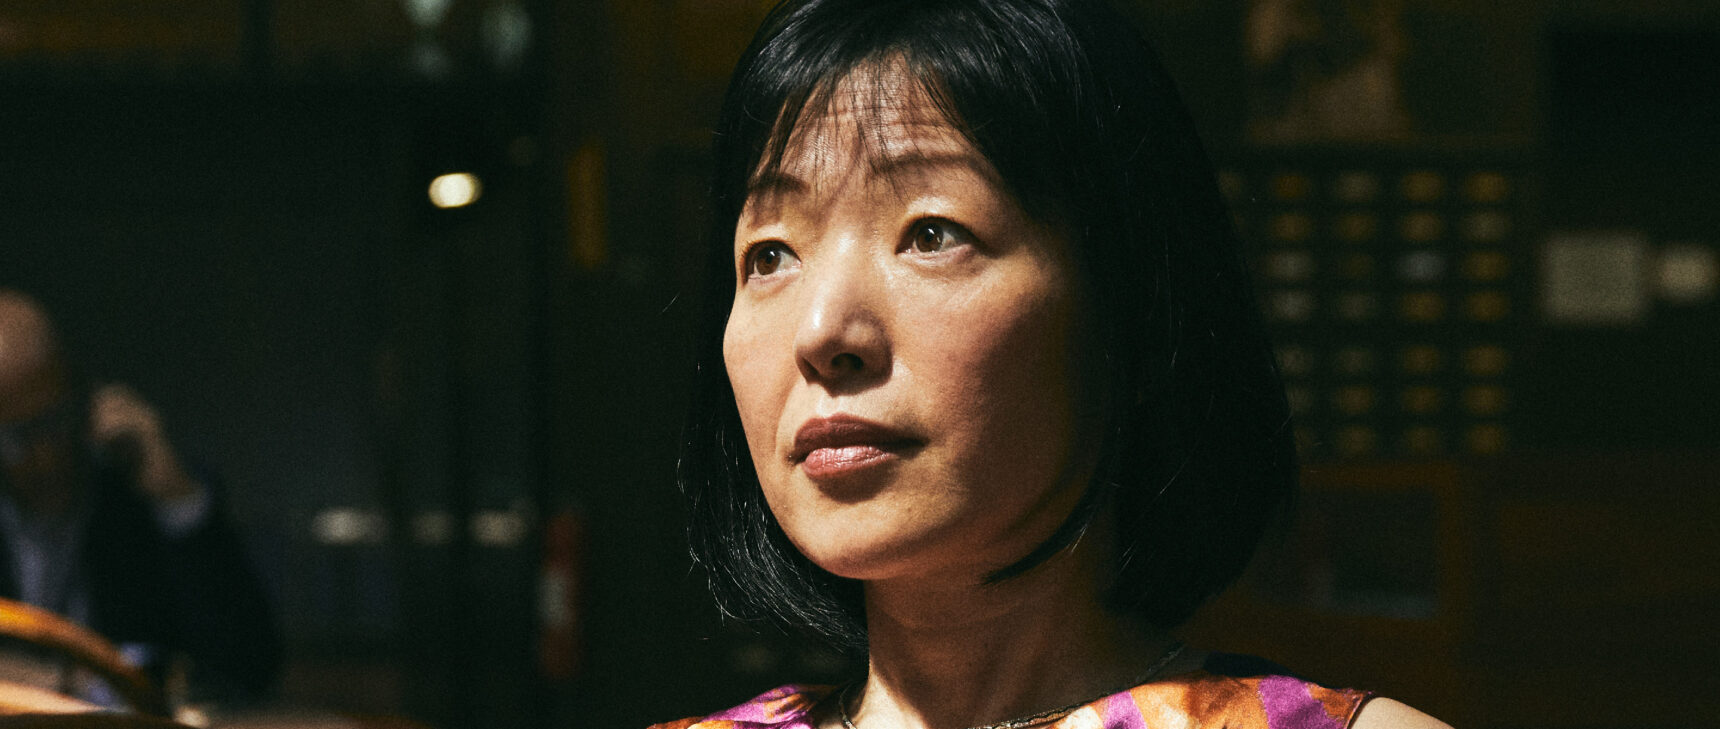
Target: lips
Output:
[(842, 445)]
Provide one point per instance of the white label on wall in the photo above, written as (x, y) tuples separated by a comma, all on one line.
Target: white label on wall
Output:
[(346, 526), (1688, 273), (1595, 278), (497, 528)]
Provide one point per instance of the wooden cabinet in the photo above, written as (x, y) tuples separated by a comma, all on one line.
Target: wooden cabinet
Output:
[(1556, 592)]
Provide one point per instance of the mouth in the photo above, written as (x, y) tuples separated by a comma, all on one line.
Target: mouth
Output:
[(841, 445)]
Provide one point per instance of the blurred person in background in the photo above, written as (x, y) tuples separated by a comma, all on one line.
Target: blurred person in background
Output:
[(102, 522)]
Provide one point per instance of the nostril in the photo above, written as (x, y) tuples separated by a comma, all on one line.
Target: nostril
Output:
[(847, 362)]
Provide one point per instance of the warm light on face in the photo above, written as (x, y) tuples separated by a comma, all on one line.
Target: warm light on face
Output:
[(455, 190), (899, 291)]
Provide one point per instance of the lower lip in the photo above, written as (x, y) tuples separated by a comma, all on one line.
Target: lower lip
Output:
[(829, 463)]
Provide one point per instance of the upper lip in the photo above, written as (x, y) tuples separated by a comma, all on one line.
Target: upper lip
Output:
[(839, 430)]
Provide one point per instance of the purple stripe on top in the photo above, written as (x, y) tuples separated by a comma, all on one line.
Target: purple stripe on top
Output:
[(768, 708), (1289, 706), (1120, 712)]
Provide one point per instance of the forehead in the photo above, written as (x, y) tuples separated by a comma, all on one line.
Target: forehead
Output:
[(29, 351), (882, 117)]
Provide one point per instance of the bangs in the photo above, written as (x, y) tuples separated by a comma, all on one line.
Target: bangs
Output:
[(1080, 123), (884, 63), (1006, 77), (867, 103)]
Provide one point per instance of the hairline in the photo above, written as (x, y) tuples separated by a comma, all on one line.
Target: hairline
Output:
[(856, 91), (899, 66), (1098, 188)]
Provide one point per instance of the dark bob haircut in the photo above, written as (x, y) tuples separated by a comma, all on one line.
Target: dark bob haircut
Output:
[(1195, 458)]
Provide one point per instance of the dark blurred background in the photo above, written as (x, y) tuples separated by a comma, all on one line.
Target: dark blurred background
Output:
[(1487, 235)]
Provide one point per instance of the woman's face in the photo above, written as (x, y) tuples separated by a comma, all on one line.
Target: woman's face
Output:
[(900, 350)]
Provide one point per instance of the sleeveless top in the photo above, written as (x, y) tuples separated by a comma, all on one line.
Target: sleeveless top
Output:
[(1228, 691)]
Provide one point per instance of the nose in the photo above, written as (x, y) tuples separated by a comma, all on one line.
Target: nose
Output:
[(842, 339)]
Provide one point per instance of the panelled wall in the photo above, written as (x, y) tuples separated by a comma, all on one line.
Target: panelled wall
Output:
[(452, 432), (1496, 321)]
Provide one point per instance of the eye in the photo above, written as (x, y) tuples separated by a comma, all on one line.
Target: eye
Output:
[(767, 258), (935, 235)]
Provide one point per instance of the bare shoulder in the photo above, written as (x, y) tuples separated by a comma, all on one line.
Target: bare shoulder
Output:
[(1389, 714)]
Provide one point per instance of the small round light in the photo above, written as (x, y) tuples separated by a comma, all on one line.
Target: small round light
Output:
[(455, 190)]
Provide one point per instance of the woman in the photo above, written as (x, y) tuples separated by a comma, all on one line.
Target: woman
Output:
[(985, 397)]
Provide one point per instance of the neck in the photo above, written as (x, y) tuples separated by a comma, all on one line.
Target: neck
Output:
[(949, 654)]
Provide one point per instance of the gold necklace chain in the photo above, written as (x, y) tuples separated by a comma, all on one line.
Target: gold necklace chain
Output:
[(1175, 650)]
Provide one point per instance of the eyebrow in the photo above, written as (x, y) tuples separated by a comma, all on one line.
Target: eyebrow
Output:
[(774, 183), (777, 183), (889, 166)]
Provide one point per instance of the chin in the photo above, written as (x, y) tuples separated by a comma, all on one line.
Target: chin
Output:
[(846, 551), (845, 558), (878, 554)]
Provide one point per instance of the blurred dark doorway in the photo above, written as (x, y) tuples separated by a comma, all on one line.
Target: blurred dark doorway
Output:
[(356, 364)]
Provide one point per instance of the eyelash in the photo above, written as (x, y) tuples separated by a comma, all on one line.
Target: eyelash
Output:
[(749, 259), (955, 232), (950, 229)]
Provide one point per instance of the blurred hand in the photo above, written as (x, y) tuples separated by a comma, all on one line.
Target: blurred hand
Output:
[(123, 424)]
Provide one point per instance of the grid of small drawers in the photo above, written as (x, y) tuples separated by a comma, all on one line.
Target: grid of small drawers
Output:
[(1392, 293)]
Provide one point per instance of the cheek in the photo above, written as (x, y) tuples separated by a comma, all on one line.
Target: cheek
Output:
[(1006, 368), (1008, 346), (746, 360)]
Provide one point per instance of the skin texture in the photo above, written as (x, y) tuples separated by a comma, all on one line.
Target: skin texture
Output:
[(963, 351), (897, 281), (1389, 714), (887, 275), (45, 473)]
